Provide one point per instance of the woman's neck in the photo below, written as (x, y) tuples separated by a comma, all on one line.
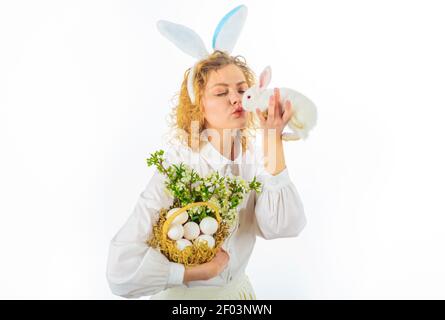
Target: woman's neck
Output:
[(223, 142)]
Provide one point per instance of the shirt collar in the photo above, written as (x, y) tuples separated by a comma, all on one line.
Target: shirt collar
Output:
[(215, 159)]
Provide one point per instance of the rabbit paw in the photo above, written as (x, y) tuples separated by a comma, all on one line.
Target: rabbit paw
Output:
[(289, 136)]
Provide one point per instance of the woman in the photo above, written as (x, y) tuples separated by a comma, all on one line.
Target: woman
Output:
[(215, 135)]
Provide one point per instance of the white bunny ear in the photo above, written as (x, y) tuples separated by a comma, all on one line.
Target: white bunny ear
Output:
[(265, 77), (184, 38), (228, 29)]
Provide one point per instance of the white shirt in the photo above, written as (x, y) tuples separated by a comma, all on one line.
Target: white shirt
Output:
[(134, 269)]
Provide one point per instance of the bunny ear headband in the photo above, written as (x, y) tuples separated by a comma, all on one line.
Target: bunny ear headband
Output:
[(224, 38)]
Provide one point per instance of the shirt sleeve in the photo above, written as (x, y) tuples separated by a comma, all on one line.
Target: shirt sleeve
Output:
[(279, 210), (134, 269)]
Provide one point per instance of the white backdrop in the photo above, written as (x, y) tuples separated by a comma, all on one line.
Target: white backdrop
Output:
[(85, 89)]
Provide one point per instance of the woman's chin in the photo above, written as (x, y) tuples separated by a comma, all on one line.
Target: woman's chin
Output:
[(240, 123)]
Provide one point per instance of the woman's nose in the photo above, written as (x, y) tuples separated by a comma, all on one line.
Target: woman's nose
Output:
[(235, 98)]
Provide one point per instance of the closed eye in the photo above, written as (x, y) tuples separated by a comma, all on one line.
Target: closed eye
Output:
[(224, 93)]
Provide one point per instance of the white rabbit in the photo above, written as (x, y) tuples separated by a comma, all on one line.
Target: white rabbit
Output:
[(304, 116)]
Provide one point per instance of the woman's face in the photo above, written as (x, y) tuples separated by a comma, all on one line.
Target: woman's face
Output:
[(222, 97)]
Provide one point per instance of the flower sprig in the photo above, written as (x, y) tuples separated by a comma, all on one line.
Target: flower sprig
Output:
[(157, 160), (186, 186)]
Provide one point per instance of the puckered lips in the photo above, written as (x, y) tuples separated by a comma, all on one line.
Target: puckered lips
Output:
[(238, 111)]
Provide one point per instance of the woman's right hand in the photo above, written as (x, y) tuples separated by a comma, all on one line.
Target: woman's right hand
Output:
[(219, 262), (209, 269)]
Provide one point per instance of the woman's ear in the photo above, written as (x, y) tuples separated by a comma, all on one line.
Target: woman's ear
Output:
[(265, 77)]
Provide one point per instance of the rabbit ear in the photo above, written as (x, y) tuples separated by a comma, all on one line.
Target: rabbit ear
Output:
[(229, 28), (184, 38), (265, 77)]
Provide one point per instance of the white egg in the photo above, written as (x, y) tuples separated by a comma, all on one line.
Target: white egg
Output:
[(209, 239), (181, 244), (208, 225), (182, 218), (191, 230), (176, 231)]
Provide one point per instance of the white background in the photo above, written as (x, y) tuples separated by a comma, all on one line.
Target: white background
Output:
[(85, 89)]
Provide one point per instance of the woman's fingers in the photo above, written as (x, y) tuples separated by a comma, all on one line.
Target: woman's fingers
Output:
[(288, 111), (260, 116), (271, 110), (278, 112)]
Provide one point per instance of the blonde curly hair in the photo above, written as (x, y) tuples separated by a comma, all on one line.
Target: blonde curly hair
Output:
[(184, 112)]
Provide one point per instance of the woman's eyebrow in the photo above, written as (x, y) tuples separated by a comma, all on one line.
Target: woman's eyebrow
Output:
[(226, 85)]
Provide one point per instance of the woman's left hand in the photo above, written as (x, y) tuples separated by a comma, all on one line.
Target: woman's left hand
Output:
[(273, 127), (275, 118)]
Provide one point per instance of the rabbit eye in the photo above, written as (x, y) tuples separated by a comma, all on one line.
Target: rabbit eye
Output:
[(248, 97)]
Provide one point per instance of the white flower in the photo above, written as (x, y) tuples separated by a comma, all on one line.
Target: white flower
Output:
[(196, 184), (180, 186), (214, 200)]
